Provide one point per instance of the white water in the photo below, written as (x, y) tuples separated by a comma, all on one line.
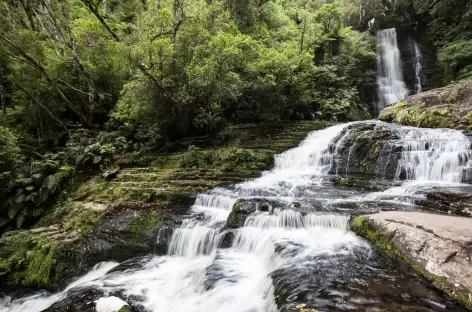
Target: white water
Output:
[(200, 276), (418, 68), (391, 86)]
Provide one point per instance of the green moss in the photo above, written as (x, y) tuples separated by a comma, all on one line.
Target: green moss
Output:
[(125, 309), (81, 219), (143, 223), (419, 115), (28, 259), (389, 113), (361, 226), (232, 221)]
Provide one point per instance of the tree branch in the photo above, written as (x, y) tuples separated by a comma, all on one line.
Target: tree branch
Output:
[(141, 67)]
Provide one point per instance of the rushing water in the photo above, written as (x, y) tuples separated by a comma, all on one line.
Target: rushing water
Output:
[(293, 249), (418, 68), (391, 86)]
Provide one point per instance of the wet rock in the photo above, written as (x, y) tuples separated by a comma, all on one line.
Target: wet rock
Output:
[(83, 301), (451, 200), (227, 239), (361, 182), (366, 149), (435, 246), (111, 304), (111, 174), (119, 236), (244, 207)]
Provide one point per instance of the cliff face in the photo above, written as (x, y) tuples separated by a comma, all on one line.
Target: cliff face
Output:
[(449, 107)]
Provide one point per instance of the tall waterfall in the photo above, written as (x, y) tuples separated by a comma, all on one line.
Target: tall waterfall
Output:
[(418, 68), (280, 248), (391, 87)]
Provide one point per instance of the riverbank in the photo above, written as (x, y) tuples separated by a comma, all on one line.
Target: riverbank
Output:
[(120, 218), (437, 247), (448, 107)]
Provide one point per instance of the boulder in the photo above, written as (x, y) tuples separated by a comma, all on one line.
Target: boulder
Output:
[(366, 149)]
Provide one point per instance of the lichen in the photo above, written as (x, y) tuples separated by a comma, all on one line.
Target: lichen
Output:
[(363, 227)]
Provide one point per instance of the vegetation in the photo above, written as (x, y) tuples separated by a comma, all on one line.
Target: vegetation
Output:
[(82, 81), (85, 84), (28, 259), (419, 116)]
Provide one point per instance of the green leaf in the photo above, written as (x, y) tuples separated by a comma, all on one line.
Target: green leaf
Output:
[(14, 210)]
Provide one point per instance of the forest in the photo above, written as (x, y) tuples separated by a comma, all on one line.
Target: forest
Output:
[(82, 81)]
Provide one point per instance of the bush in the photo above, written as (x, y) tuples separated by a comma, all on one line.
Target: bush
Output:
[(9, 158)]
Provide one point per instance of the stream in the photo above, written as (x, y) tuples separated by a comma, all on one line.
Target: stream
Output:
[(291, 246)]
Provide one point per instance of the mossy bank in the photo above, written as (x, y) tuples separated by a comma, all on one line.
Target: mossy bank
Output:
[(121, 218), (449, 107)]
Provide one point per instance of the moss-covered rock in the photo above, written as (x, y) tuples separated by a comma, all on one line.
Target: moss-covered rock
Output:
[(366, 149), (448, 107)]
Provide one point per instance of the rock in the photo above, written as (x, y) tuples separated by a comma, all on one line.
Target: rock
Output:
[(120, 236), (438, 108), (227, 240), (244, 207), (435, 246), (450, 200), (111, 304), (111, 174), (366, 149), (79, 300)]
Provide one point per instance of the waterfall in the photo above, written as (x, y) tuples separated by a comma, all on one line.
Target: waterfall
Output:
[(290, 243), (418, 68), (391, 87), (440, 155)]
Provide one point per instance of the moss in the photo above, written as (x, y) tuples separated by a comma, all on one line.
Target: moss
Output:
[(232, 221), (361, 226), (144, 223), (420, 115), (28, 259), (81, 219), (388, 113), (125, 309)]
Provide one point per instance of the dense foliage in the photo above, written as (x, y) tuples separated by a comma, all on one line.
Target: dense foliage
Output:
[(84, 80)]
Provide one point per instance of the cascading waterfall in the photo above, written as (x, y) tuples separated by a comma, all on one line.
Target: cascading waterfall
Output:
[(276, 245), (440, 155), (418, 68), (391, 87)]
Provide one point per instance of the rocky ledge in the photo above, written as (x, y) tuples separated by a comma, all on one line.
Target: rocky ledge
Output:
[(449, 107), (133, 211), (437, 247)]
